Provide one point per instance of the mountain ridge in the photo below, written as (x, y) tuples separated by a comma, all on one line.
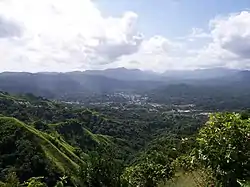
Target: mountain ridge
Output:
[(77, 83)]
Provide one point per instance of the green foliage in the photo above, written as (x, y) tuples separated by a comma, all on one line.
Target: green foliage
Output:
[(154, 170), (129, 147), (64, 135), (61, 182), (224, 147), (20, 149), (244, 183), (102, 169), (35, 182), (31, 153), (11, 180)]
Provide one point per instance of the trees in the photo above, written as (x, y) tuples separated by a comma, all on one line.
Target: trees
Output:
[(35, 182), (149, 172), (13, 181), (102, 169), (224, 146), (148, 143)]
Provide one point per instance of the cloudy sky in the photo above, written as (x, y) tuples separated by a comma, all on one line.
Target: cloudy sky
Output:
[(158, 35)]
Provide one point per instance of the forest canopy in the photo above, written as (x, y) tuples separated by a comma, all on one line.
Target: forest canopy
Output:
[(49, 143)]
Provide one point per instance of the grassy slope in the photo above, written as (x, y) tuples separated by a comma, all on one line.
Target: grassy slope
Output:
[(98, 138), (7, 96), (58, 141), (64, 163)]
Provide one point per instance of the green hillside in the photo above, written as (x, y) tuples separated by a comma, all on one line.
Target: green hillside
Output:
[(50, 143), (57, 156), (79, 127), (62, 146)]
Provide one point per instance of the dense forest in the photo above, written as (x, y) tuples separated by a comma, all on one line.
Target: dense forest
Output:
[(49, 143)]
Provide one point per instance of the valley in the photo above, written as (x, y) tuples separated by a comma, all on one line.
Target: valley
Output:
[(144, 134), (124, 93)]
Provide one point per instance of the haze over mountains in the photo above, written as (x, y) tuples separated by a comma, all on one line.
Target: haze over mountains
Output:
[(125, 74), (136, 74), (167, 76), (111, 80)]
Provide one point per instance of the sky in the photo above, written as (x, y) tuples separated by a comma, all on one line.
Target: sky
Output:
[(156, 35)]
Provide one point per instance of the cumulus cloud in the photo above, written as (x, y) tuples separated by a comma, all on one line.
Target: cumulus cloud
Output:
[(63, 34), (156, 53), (199, 33), (233, 33), (66, 35), (230, 43), (225, 44)]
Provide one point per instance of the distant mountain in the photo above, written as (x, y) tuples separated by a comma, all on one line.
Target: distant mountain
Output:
[(168, 76), (56, 85), (48, 85), (244, 75), (200, 74), (125, 74), (82, 84)]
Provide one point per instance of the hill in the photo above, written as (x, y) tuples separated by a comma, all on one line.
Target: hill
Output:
[(125, 74), (64, 135), (73, 84), (52, 139), (31, 152), (88, 86), (134, 145), (217, 97)]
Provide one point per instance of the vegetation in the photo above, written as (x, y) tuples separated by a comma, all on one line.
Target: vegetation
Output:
[(224, 147), (48, 143)]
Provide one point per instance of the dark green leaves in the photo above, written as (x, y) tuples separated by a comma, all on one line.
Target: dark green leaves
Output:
[(224, 146)]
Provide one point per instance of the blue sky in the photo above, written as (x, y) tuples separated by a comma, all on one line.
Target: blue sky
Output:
[(172, 18), (158, 35)]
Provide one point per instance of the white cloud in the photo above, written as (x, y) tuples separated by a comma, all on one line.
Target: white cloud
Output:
[(225, 44), (197, 34), (62, 35), (157, 53), (65, 35), (233, 33), (230, 45)]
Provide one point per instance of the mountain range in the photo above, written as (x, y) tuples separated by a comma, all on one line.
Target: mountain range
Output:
[(136, 74), (54, 85)]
